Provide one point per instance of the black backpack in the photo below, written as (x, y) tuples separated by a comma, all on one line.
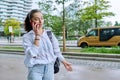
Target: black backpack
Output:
[(57, 62)]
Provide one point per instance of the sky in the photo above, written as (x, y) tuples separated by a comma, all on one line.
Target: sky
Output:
[(114, 8)]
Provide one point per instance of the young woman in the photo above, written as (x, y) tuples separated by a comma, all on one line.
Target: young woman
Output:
[(39, 53)]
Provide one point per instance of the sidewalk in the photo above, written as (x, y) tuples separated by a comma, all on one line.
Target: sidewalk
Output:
[(12, 68), (18, 41), (5, 42), (74, 55)]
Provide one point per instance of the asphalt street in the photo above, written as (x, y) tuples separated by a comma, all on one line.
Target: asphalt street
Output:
[(12, 68)]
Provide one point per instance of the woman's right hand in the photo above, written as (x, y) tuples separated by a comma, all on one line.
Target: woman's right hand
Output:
[(36, 28), (67, 65), (38, 32)]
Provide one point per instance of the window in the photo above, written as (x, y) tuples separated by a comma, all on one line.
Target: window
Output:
[(93, 33), (106, 34), (117, 31)]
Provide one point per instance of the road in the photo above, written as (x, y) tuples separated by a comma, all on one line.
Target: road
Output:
[(12, 68)]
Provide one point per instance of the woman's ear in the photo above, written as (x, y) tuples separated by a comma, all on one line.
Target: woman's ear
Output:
[(31, 22)]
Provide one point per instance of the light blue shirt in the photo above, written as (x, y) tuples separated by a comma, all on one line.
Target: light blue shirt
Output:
[(45, 53)]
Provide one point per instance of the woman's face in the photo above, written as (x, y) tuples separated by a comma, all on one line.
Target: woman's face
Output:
[(37, 18)]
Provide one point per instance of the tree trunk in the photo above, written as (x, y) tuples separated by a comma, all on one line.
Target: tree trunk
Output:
[(64, 38), (95, 22)]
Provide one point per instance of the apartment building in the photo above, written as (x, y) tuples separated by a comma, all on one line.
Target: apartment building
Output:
[(14, 9)]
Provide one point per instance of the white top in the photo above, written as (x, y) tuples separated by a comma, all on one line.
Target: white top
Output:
[(44, 53)]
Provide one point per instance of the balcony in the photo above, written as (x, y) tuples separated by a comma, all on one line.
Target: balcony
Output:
[(3, 6), (6, 0), (18, 1), (5, 11), (4, 3)]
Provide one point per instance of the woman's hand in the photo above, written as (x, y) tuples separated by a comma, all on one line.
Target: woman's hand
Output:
[(37, 28), (67, 65)]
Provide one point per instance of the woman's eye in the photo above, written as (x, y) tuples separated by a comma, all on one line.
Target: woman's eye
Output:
[(36, 19)]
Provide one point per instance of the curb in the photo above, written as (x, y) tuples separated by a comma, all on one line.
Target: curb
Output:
[(12, 52), (93, 54), (76, 54)]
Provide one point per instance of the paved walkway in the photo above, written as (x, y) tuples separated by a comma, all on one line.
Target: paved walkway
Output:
[(18, 41), (12, 68)]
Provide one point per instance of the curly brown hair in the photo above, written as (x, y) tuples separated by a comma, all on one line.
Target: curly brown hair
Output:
[(27, 25)]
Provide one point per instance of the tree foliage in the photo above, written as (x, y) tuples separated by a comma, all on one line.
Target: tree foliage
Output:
[(15, 26), (116, 23), (96, 10), (1, 23), (79, 15), (54, 23), (46, 6)]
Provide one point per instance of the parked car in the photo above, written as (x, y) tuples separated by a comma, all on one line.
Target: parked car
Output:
[(107, 36)]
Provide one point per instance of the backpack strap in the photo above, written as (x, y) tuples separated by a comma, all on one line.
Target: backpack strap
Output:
[(49, 33), (57, 62)]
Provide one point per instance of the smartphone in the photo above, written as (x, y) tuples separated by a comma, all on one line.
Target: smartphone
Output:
[(32, 22)]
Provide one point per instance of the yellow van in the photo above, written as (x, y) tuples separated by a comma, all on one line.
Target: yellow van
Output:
[(107, 36)]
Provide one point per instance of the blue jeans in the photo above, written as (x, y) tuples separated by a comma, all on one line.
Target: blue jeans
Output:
[(41, 72)]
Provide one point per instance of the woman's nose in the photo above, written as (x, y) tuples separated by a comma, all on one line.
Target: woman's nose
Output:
[(40, 20)]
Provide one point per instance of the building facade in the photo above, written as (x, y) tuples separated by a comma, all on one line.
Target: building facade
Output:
[(14, 9)]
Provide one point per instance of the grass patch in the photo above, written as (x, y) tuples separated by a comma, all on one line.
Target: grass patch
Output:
[(112, 50), (15, 48), (70, 50)]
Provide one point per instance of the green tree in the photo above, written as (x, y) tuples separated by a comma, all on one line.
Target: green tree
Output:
[(15, 27), (72, 22), (116, 24), (49, 7), (63, 22), (54, 23), (1, 23), (46, 6), (96, 10), (108, 23)]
